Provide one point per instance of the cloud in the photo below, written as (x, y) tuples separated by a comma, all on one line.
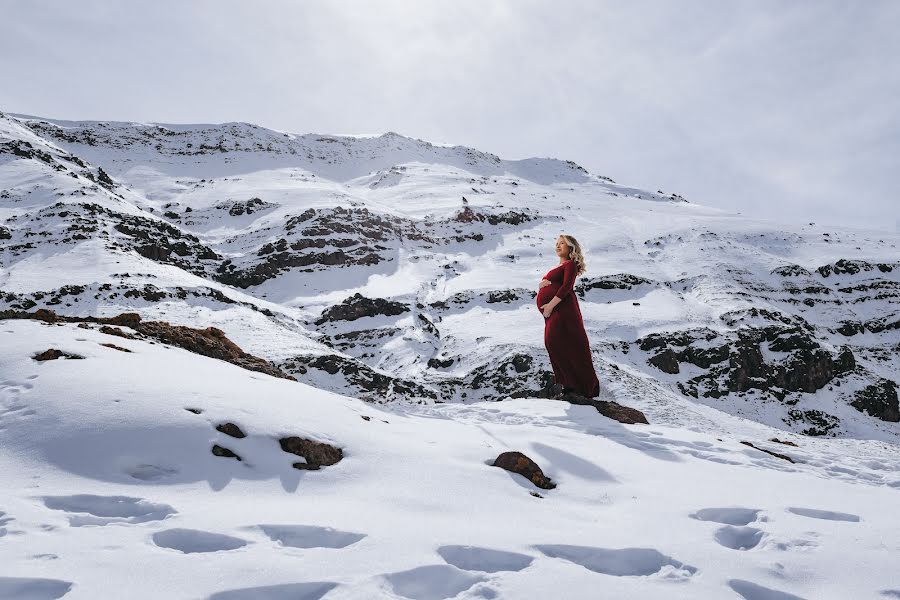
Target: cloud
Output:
[(783, 110)]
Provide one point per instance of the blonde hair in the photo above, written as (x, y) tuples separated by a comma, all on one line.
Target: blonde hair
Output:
[(575, 254)]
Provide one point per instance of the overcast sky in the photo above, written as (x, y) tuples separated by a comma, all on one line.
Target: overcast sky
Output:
[(786, 110)]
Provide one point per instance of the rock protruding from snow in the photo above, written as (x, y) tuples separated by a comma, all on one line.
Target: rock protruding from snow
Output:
[(316, 454), (516, 462)]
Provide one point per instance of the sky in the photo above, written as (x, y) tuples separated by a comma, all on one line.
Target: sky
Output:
[(784, 110)]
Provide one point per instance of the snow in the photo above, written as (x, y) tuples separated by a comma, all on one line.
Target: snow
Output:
[(103, 467)]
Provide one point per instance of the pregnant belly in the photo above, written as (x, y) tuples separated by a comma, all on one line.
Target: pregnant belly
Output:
[(545, 294)]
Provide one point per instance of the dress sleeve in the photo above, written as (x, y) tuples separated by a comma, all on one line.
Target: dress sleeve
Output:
[(570, 270)]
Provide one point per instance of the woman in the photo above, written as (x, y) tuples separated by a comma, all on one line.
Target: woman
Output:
[(564, 334)]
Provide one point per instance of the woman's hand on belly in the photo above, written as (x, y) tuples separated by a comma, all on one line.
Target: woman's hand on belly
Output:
[(546, 294)]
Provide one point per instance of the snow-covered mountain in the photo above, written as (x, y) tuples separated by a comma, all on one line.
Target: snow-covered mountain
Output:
[(403, 273)]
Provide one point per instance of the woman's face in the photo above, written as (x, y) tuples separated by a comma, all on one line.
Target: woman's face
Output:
[(562, 248)]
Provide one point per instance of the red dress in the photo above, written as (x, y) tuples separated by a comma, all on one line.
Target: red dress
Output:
[(564, 334)]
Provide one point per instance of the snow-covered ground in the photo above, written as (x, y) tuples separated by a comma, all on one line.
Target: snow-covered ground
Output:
[(110, 489), (720, 328)]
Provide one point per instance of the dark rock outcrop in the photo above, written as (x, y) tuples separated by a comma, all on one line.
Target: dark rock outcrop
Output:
[(53, 354), (735, 360), (231, 429), (210, 342), (516, 462), (370, 384), (358, 306), (224, 452), (317, 454), (775, 454), (609, 409), (878, 400)]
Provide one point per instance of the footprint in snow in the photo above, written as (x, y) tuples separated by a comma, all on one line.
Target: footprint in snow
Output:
[(191, 541), (827, 515), (29, 588), (432, 582), (310, 536), (148, 472), (487, 560), (293, 591), (727, 515), (739, 538), (621, 562), (88, 509), (753, 591)]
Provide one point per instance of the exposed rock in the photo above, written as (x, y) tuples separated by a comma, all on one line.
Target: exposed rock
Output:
[(666, 361), (53, 354), (224, 452), (618, 281), (372, 385), (516, 462), (852, 267), (791, 271), (878, 400), (821, 423), (210, 342), (785, 442), (317, 454), (358, 306), (129, 319), (115, 331), (775, 454), (609, 409), (231, 429), (735, 360), (114, 347)]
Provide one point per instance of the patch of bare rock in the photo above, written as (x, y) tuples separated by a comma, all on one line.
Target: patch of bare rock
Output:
[(516, 462)]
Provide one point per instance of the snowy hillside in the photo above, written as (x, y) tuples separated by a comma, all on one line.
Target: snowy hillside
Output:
[(395, 280)]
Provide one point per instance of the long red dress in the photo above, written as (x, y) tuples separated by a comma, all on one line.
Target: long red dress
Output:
[(564, 334)]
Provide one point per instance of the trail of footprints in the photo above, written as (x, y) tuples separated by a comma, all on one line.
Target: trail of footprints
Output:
[(464, 567)]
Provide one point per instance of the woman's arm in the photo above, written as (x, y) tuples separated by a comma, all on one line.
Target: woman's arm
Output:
[(570, 271)]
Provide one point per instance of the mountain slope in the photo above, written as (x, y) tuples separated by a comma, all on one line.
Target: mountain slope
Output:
[(387, 268)]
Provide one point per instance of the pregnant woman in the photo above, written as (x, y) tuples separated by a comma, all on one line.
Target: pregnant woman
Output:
[(564, 334)]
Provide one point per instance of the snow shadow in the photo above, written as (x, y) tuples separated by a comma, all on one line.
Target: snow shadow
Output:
[(727, 515), (310, 536), (827, 515), (588, 420), (432, 582), (29, 588), (486, 560), (285, 591), (171, 455), (753, 591), (620, 562), (572, 464), (191, 541), (88, 509)]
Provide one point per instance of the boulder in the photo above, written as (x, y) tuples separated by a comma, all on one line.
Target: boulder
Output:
[(608, 408), (317, 454), (231, 429), (516, 462), (224, 452), (53, 354)]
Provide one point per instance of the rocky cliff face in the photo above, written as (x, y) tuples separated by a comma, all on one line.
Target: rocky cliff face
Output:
[(390, 268)]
